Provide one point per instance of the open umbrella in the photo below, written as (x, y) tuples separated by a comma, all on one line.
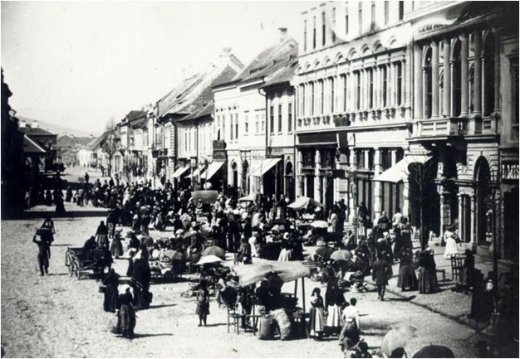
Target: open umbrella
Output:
[(209, 259), (319, 224), (397, 338), (214, 251), (174, 255), (341, 254), (249, 198), (325, 252), (287, 271), (434, 351), (304, 203)]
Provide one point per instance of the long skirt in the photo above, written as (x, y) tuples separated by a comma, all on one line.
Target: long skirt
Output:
[(334, 321), (451, 248), (102, 240), (316, 321), (110, 301), (116, 248), (126, 320), (407, 278), (427, 281), (202, 309)]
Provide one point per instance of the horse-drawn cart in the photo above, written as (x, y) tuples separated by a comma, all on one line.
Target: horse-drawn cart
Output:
[(80, 263)]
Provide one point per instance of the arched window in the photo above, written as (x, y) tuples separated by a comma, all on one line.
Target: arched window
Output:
[(457, 81), (428, 83), (489, 74)]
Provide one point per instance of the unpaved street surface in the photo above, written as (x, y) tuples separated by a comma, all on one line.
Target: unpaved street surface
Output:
[(59, 316)]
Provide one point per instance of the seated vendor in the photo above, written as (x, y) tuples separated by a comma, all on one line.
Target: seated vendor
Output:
[(262, 298), (88, 247)]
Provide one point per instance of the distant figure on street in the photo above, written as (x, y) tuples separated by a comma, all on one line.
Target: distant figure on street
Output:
[(86, 177), (380, 273), (102, 235), (44, 245)]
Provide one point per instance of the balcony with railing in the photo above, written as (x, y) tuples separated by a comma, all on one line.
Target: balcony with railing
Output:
[(456, 126)]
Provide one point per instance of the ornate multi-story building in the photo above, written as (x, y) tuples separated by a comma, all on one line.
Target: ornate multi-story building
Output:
[(353, 103), (465, 114)]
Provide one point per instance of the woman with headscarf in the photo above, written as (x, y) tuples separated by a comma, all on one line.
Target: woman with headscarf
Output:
[(111, 283), (102, 235), (316, 317)]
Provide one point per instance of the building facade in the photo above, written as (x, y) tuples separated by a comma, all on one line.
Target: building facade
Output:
[(464, 60), (353, 104), (241, 115)]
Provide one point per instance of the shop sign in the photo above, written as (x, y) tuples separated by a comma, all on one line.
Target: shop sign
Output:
[(509, 171)]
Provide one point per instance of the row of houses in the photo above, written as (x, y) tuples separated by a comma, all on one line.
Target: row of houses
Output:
[(392, 104)]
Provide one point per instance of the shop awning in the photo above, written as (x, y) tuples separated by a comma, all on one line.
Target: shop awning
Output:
[(195, 173), (180, 171), (212, 169), (399, 171), (260, 167)]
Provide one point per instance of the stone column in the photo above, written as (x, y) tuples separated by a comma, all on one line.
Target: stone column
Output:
[(393, 154), (473, 241), (418, 89), (351, 198), (435, 79), (477, 93), (447, 79), (298, 170), (425, 88), (406, 199), (460, 217), (465, 80), (365, 154), (317, 178), (378, 188), (325, 182)]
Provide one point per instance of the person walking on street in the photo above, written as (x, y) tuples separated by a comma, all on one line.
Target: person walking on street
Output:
[(43, 252), (380, 273), (86, 177)]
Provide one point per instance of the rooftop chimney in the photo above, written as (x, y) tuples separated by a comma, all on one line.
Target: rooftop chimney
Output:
[(282, 33), (35, 124)]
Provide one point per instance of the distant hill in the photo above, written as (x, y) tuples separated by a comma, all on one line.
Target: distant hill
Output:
[(57, 129)]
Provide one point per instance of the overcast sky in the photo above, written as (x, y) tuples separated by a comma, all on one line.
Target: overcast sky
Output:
[(78, 64)]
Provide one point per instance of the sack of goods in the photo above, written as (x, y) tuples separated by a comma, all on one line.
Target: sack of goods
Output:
[(284, 323), (266, 327)]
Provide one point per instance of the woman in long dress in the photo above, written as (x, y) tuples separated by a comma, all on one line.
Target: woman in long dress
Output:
[(317, 319), (334, 301), (407, 279), (350, 332), (202, 304), (450, 237), (102, 235), (116, 247)]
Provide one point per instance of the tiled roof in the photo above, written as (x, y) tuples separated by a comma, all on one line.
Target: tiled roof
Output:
[(176, 96), (35, 131), (203, 112), (284, 74), (97, 142), (269, 60)]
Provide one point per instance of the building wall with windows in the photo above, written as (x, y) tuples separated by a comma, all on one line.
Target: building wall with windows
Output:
[(464, 62), (353, 103)]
